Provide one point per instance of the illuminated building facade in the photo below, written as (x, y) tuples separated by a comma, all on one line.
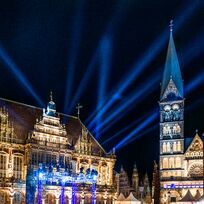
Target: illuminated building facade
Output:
[(181, 167), (36, 148), (140, 190)]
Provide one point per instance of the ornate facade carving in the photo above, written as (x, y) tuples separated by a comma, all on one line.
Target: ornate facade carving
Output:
[(30, 136)]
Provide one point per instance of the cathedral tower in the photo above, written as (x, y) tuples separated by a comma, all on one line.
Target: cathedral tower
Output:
[(171, 118)]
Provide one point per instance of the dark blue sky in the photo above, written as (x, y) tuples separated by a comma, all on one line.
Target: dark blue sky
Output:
[(53, 44)]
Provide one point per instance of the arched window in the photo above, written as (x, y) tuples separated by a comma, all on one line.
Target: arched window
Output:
[(171, 162), (165, 163), (178, 162), (104, 174), (178, 129), (174, 147), (179, 146), (166, 130), (168, 147), (17, 166), (164, 147), (174, 129)]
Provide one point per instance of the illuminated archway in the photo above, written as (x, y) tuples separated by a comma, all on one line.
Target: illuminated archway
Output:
[(50, 199)]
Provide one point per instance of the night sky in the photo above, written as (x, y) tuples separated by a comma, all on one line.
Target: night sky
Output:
[(56, 45)]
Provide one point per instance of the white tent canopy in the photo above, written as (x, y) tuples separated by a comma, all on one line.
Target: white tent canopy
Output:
[(120, 199), (129, 200)]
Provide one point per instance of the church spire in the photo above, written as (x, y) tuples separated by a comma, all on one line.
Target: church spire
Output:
[(172, 72)]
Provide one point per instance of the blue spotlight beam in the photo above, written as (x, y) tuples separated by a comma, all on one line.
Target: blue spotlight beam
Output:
[(147, 57), (198, 80), (113, 22), (188, 55), (194, 48), (84, 81), (105, 55), (19, 75), (149, 129), (76, 35), (195, 104), (149, 120), (145, 89), (125, 129)]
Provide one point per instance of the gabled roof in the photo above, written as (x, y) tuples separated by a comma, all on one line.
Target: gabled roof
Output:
[(195, 143), (23, 117), (131, 197), (121, 197), (198, 195), (187, 197), (172, 70)]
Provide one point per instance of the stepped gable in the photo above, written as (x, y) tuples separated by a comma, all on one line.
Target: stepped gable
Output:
[(23, 118)]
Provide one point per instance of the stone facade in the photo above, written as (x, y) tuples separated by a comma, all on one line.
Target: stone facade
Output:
[(181, 166), (30, 137)]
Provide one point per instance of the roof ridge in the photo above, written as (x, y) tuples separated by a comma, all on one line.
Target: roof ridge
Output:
[(31, 106)]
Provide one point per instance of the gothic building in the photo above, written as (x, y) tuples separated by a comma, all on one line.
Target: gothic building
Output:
[(181, 166), (36, 148), (139, 188)]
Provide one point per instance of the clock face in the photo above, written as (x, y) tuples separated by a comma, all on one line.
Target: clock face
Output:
[(167, 107), (175, 107)]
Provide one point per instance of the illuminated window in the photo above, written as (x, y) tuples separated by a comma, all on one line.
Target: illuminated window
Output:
[(166, 130), (103, 175), (164, 147), (174, 147), (165, 163), (176, 129), (3, 164), (178, 162), (179, 146), (18, 166), (171, 162), (168, 147)]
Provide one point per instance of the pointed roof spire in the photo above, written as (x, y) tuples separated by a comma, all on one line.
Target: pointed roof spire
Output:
[(51, 107), (51, 96), (171, 25), (172, 70), (135, 166), (78, 107)]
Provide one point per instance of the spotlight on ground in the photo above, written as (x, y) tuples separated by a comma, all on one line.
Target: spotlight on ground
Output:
[(19, 75)]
